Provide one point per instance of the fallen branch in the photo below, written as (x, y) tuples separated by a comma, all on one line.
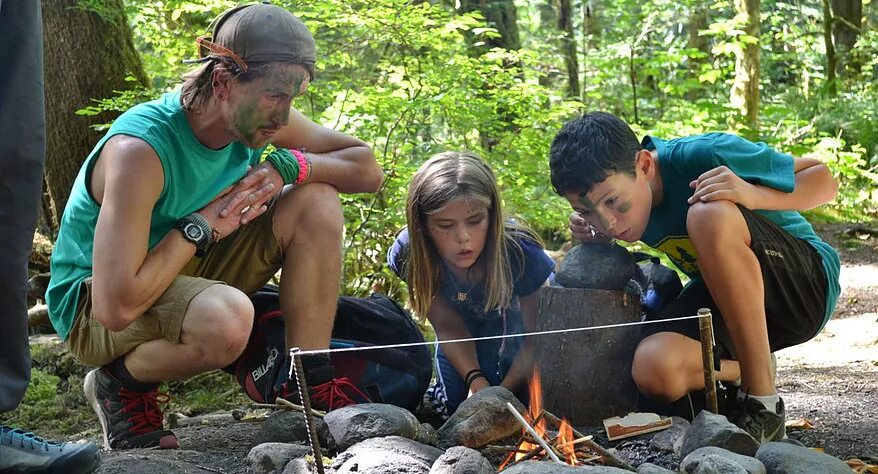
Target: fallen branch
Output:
[(284, 404), (179, 420)]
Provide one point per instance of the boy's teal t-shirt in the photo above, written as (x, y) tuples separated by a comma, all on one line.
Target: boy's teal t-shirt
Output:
[(194, 175), (684, 159)]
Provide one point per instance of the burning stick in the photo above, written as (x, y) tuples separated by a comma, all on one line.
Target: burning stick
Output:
[(539, 439), (608, 458), (575, 441), (705, 326)]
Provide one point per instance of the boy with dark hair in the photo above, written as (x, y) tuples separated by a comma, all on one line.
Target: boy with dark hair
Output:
[(724, 210)]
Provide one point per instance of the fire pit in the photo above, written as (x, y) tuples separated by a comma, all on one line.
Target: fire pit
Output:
[(547, 437)]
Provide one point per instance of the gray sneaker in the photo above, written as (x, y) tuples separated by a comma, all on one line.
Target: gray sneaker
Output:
[(21, 451), (752, 416)]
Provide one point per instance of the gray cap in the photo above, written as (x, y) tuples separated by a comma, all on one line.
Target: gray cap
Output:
[(260, 32)]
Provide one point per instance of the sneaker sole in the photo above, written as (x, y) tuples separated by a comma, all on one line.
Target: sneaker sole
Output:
[(89, 387)]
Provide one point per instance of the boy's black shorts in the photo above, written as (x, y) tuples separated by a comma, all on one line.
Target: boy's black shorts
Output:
[(795, 292)]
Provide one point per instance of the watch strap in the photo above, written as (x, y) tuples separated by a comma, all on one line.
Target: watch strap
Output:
[(201, 240)]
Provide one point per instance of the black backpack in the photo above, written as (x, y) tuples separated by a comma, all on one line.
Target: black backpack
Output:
[(397, 376), (659, 284)]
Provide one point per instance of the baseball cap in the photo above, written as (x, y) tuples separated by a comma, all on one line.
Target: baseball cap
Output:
[(259, 32)]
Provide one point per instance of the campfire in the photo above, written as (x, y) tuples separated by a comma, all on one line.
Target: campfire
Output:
[(546, 437)]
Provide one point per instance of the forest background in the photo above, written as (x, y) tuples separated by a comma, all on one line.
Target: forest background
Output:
[(413, 78)]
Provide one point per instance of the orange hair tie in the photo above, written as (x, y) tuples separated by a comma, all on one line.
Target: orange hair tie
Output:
[(219, 50)]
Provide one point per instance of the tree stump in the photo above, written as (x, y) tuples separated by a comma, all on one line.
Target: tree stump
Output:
[(586, 375)]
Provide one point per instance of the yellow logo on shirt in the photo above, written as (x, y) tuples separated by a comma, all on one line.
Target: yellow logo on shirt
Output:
[(681, 251)]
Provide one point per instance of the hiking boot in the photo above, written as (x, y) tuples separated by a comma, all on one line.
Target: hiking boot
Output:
[(128, 419), (21, 451), (325, 391), (752, 416)]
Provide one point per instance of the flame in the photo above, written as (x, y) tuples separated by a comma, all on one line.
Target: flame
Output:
[(565, 438), (565, 442), (536, 406), (536, 401)]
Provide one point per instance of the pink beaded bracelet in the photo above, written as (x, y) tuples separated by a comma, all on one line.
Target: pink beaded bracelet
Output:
[(304, 167)]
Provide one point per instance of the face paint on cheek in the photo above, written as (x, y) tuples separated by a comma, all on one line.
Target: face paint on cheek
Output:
[(593, 209), (245, 121), (625, 207)]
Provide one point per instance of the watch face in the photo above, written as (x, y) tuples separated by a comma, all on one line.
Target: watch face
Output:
[(194, 232)]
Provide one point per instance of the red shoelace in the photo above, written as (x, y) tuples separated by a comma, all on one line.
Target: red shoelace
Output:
[(143, 410), (334, 394)]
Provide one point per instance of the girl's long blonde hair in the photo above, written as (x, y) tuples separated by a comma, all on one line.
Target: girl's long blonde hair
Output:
[(441, 179)]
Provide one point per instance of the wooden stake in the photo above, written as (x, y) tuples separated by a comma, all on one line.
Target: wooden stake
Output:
[(705, 326), (297, 370)]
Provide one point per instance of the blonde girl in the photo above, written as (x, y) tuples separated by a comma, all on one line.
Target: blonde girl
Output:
[(472, 273)]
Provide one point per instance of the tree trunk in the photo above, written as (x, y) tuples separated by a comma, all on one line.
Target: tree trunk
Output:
[(586, 375), (568, 47), (548, 17), (548, 20), (88, 55), (698, 21), (499, 14), (745, 89), (591, 24), (831, 59), (847, 21), (590, 36)]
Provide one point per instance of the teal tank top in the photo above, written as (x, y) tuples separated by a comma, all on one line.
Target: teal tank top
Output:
[(194, 175)]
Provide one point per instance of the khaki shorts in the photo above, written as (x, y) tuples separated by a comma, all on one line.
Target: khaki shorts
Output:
[(246, 260)]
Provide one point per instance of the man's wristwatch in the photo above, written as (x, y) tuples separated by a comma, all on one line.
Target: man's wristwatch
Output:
[(197, 230)]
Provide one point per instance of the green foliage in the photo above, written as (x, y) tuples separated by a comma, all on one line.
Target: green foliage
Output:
[(51, 409), (108, 12), (404, 77), (205, 393)]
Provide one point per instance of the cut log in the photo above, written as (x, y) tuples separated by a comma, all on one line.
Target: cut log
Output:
[(586, 375)]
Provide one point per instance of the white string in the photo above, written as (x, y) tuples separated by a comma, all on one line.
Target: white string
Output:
[(485, 338)]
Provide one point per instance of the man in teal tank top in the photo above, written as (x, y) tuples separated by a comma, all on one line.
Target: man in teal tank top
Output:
[(725, 210), (174, 219)]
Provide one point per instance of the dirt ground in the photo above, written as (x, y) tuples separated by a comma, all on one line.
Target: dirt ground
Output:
[(832, 380)]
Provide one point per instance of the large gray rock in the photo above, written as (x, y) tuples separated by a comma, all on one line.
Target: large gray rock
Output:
[(426, 434), (355, 423), (270, 457), (787, 458), (288, 426), (596, 266), (547, 467), (384, 455), (650, 468), (462, 460), (297, 466), (709, 429), (711, 460), (664, 440), (480, 420)]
